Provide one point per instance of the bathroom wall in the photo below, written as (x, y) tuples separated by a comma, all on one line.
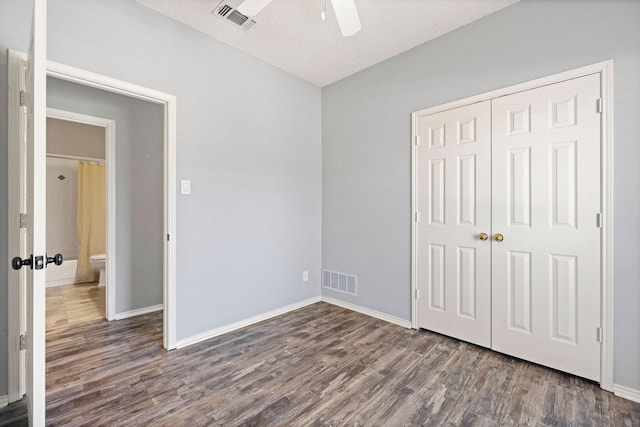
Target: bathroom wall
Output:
[(66, 138), (62, 187), (75, 139)]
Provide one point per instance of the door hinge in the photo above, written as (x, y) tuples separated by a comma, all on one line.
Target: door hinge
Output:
[(417, 139), (599, 220), (599, 334), (23, 102), (23, 220), (599, 105), (23, 342), (167, 237), (417, 216), (417, 293)]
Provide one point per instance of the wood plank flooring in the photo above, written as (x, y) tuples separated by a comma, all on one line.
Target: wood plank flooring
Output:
[(320, 365), (15, 414), (73, 304)]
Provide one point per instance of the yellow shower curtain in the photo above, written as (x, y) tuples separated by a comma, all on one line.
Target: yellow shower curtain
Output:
[(91, 219)]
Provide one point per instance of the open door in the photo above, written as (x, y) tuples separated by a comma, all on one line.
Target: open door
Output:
[(35, 263)]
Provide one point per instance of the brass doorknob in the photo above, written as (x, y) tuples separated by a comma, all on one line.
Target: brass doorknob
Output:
[(483, 236), (498, 237)]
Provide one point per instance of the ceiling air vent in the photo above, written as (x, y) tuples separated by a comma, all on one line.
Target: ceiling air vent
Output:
[(227, 10)]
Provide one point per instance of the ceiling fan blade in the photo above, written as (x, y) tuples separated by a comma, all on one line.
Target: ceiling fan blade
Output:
[(347, 16), (252, 7)]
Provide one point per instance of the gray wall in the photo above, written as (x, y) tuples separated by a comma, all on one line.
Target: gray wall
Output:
[(366, 142), (248, 137), (139, 166)]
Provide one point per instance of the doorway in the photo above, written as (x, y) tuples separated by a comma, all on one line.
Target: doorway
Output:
[(75, 140), (17, 296)]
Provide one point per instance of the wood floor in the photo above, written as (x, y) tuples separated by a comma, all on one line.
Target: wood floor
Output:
[(320, 365), (66, 305), (73, 304), (15, 414)]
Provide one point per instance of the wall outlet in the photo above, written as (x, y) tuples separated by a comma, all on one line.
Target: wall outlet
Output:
[(305, 276)]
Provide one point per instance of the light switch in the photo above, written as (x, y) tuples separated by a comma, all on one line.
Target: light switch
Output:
[(185, 186)]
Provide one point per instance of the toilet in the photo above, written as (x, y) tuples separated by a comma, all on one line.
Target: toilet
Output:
[(100, 261)]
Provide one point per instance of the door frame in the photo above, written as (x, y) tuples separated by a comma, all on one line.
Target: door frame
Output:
[(109, 127), (16, 295), (16, 61), (605, 69)]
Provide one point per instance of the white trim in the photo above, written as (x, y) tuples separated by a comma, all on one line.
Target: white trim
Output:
[(626, 392), (110, 167), (369, 312), (605, 69), (414, 220), (203, 336), (4, 401), (109, 84), (138, 312), (606, 360), (169, 279), (61, 282), (75, 158), (99, 81)]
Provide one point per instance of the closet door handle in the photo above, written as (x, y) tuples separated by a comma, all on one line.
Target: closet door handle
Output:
[(483, 236), (498, 237)]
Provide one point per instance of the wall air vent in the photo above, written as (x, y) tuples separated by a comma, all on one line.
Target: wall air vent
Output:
[(340, 282), (227, 11)]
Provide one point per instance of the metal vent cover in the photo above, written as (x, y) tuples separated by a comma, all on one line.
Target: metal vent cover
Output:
[(227, 11), (340, 282)]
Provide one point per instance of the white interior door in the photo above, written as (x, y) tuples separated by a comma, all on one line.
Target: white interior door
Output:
[(454, 201), (36, 215), (546, 202)]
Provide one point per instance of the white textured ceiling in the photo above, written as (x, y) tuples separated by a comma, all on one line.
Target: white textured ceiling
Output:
[(290, 34)]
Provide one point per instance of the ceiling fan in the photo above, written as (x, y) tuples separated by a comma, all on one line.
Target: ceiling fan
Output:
[(345, 10)]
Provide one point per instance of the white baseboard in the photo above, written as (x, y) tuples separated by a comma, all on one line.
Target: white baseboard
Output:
[(139, 311), (626, 393), (64, 274), (61, 282), (242, 323), (4, 401), (373, 313)]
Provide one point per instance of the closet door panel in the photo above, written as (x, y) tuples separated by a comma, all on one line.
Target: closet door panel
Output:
[(545, 198), (453, 186)]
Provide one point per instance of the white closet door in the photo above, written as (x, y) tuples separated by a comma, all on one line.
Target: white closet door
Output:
[(454, 195), (546, 198)]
